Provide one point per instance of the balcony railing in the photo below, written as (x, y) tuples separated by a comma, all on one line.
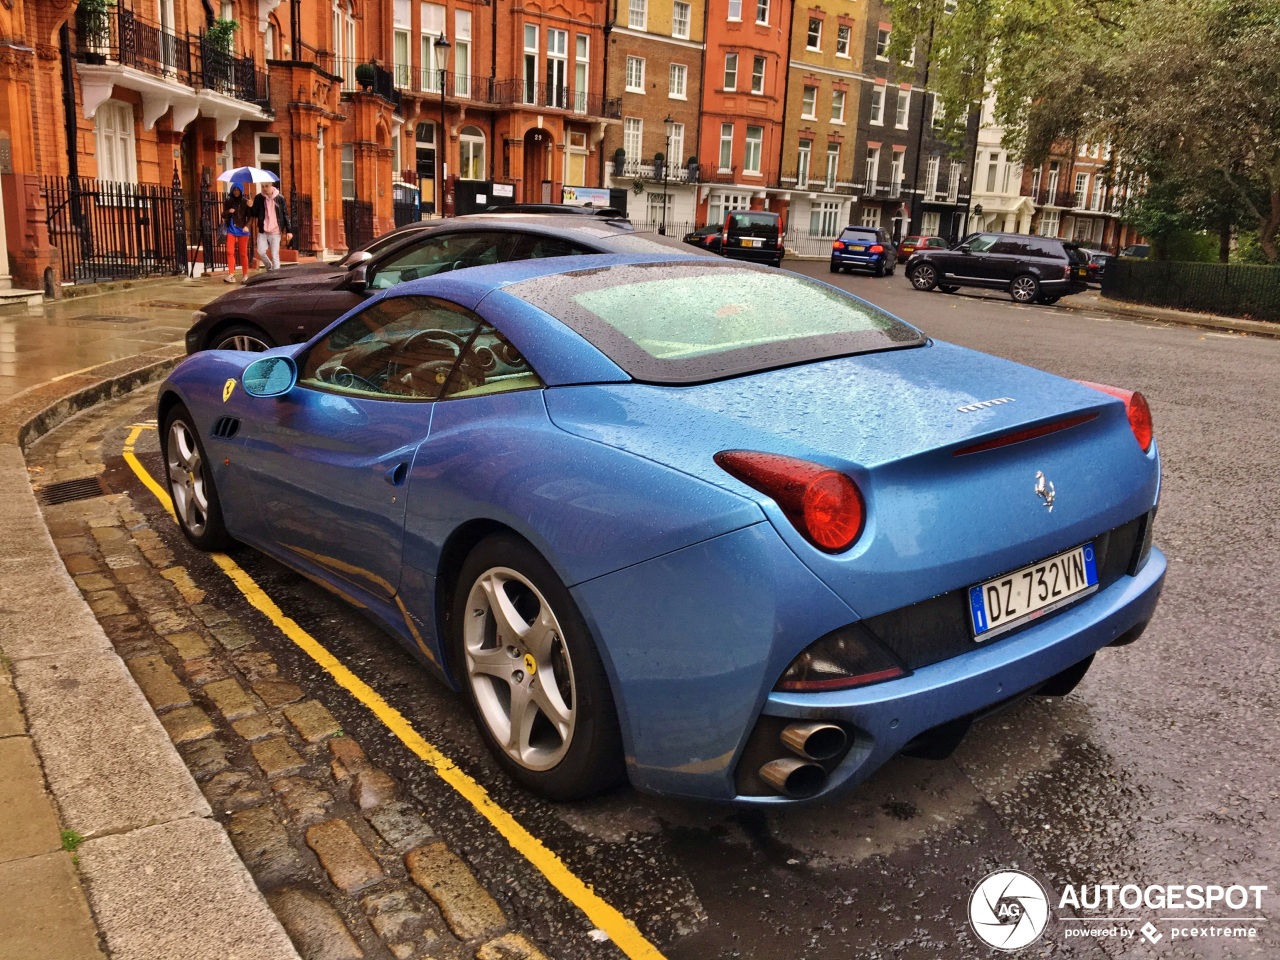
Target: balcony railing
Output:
[(882, 189), (555, 97), (121, 37), (652, 171)]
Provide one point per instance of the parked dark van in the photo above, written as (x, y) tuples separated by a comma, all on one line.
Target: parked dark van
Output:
[(1032, 269), (753, 235)]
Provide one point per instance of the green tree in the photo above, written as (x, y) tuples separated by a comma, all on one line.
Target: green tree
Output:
[(1190, 87)]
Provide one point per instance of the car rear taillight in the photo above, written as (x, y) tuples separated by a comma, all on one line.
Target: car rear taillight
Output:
[(838, 245), (877, 248), (1066, 272), (825, 505), (1135, 405)]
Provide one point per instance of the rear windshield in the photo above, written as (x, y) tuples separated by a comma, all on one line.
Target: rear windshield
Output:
[(754, 224), (861, 232), (698, 320)]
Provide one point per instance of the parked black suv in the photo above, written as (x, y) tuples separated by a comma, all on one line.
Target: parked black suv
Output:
[(752, 235), (1033, 269)]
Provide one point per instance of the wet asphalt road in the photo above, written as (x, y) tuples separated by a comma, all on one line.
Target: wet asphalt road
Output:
[(1163, 767)]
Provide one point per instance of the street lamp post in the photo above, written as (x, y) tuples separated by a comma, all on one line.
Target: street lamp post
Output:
[(666, 164), (442, 57)]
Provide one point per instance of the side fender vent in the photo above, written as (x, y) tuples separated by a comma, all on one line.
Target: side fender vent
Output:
[(226, 428)]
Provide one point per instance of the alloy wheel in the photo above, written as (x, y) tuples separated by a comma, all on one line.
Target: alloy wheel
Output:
[(519, 668), (186, 478)]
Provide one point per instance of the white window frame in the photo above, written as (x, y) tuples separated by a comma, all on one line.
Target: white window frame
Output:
[(902, 111), (678, 82), (638, 14), (804, 160), (558, 67), (266, 159), (735, 11), (883, 38), (726, 140), (930, 223), (471, 153), (431, 27), (833, 165), (844, 36), (530, 91), (752, 146), (838, 99), (870, 217), (675, 147), (877, 105), (680, 23), (931, 175), (757, 75), (1050, 223), (762, 12), (824, 218), (813, 38), (871, 168), (633, 138), (116, 142), (581, 71), (953, 182), (635, 74), (730, 70), (1082, 189), (897, 170), (462, 54), (808, 103)]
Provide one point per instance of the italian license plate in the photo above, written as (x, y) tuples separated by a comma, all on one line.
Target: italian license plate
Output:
[(1022, 595)]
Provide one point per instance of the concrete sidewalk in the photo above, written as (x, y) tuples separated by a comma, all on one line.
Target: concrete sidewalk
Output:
[(107, 847)]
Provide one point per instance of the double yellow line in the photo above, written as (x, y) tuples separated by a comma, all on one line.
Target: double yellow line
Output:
[(603, 915)]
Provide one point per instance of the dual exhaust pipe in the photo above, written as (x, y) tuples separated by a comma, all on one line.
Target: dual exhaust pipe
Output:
[(803, 775)]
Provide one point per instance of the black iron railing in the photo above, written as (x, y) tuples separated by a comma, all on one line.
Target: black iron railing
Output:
[(1231, 289), (357, 217), (301, 218), (120, 36), (115, 231), (406, 204)]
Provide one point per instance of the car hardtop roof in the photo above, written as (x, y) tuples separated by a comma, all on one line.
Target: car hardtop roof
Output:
[(468, 287)]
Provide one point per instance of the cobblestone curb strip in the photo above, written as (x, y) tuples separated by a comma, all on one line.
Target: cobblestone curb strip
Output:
[(348, 862), (162, 878)]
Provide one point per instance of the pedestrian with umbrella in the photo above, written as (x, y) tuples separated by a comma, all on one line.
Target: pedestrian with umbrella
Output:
[(269, 213), (235, 217)]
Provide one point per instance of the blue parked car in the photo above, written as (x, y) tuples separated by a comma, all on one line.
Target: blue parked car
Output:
[(725, 531), (864, 248)]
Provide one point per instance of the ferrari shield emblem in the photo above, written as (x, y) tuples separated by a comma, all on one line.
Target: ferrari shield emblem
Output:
[(228, 388)]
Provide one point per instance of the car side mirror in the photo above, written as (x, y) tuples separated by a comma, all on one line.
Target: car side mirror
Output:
[(963, 248), (269, 377), (358, 277)]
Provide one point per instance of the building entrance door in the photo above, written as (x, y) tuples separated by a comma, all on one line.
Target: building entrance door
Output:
[(536, 144)]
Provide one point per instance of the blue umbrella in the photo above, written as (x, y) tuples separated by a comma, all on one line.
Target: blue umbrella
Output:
[(248, 175)]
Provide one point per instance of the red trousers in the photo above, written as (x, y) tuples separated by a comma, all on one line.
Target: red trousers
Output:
[(237, 247)]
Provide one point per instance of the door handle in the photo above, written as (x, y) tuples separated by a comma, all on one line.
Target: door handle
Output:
[(397, 474)]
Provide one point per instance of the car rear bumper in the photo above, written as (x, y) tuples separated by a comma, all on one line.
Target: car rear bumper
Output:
[(863, 261), (883, 718), (753, 254)]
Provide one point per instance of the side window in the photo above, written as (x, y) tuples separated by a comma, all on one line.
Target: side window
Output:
[(415, 348), (440, 254), (982, 243), (1010, 246), (536, 247)]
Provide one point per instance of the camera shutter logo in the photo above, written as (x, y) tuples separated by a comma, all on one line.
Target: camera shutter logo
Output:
[(1009, 910)]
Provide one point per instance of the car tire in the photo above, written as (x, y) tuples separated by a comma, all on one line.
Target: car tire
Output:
[(924, 277), (835, 268), (242, 336), (190, 482), (1024, 288), (571, 747), (879, 271), (948, 288)]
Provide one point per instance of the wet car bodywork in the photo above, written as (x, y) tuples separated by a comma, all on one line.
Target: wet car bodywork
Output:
[(624, 462)]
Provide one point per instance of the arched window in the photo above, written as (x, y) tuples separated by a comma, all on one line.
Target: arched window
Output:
[(471, 154)]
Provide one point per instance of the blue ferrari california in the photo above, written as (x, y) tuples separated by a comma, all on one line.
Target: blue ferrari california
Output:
[(725, 531)]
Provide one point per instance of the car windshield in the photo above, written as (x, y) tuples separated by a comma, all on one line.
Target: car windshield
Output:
[(681, 322)]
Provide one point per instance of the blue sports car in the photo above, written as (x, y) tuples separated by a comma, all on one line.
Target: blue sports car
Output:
[(722, 530)]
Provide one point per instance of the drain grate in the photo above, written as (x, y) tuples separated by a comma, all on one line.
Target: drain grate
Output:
[(106, 318), (67, 491)]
